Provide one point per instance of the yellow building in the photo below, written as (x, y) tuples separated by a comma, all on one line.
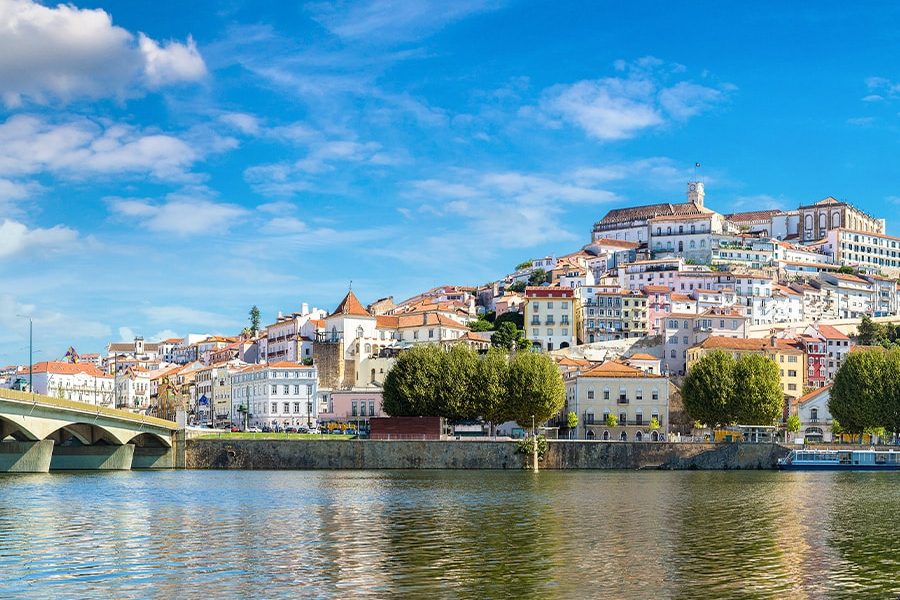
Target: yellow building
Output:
[(790, 359)]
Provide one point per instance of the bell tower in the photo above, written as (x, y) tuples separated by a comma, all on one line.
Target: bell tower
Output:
[(695, 192)]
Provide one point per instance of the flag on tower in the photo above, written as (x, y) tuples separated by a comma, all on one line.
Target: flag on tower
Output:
[(696, 165)]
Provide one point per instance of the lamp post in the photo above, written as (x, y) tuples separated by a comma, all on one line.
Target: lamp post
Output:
[(308, 408), (30, 352), (535, 443)]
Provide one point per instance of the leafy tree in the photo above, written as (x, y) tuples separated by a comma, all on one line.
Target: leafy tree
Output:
[(480, 324), (516, 318), (757, 398), (793, 424), (507, 336), (534, 388), (611, 420), (524, 265), (410, 385), (452, 396), (707, 390), (890, 413), (857, 393), (538, 277), (254, 319), (836, 428), (654, 424), (844, 269), (489, 315), (488, 386), (518, 286), (572, 419), (870, 333)]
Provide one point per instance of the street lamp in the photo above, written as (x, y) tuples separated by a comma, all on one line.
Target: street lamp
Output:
[(308, 408), (30, 352)]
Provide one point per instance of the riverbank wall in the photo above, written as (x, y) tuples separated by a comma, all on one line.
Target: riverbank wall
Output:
[(447, 454)]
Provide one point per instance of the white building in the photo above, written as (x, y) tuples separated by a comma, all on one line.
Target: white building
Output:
[(551, 315), (82, 382), (684, 330), (277, 395), (871, 251)]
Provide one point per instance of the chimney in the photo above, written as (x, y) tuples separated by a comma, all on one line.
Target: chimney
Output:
[(695, 192)]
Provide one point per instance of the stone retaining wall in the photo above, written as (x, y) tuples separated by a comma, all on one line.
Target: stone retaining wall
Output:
[(395, 454)]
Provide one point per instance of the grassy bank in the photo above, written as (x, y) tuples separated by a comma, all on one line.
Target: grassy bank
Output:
[(246, 435)]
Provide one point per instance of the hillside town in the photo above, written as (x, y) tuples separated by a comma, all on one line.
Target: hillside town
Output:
[(626, 316)]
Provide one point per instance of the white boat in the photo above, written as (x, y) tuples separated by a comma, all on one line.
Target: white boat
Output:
[(840, 460)]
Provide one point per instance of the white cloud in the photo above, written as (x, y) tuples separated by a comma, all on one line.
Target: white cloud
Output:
[(126, 334), (243, 122), (16, 237), (64, 52), (179, 214), (615, 108), (172, 62), (30, 144), (375, 21), (185, 315)]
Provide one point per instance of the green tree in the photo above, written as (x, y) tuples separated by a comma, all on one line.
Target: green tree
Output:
[(707, 389), (409, 387), (538, 277), (254, 320), (507, 336), (518, 286), (654, 424), (858, 391), (572, 419), (516, 318), (792, 425), (611, 420), (757, 397), (844, 269), (890, 412), (534, 388), (870, 333), (480, 324), (488, 387), (524, 265), (453, 393)]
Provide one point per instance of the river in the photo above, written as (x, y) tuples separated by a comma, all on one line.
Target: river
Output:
[(449, 534)]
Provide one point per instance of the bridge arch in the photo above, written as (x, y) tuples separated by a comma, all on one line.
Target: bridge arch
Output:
[(11, 426), (87, 434), (148, 439)]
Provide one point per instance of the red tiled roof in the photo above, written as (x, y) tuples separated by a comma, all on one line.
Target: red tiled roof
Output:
[(831, 333), (66, 368), (614, 368), (812, 394), (351, 306)]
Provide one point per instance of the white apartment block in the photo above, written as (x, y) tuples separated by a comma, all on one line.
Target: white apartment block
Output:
[(277, 395), (551, 317), (683, 330), (868, 251)]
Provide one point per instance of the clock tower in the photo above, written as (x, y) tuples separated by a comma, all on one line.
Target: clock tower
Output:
[(695, 193)]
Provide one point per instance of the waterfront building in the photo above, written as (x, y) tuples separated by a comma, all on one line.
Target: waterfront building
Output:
[(551, 315), (213, 385), (815, 418), (786, 354), (352, 407), (82, 382), (277, 395), (132, 387), (837, 346), (616, 388)]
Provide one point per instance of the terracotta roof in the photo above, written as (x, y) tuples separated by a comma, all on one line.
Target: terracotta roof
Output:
[(641, 356), (614, 368), (682, 297), (615, 243), (568, 361), (753, 215), (846, 277), (648, 211), (656, 289), (67, 368), (351, 306), (549, 292), (812, 394), (387, 321), (749, 344), (831, 333), (317, 323)]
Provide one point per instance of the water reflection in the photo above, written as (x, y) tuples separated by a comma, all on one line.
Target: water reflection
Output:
[(449, 534)]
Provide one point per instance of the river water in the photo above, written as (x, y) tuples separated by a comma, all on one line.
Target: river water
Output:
[(449, 534)]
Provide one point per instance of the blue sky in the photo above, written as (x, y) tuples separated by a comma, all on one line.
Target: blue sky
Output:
[(165, 165)]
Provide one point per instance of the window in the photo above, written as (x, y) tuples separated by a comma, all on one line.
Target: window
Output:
[(606, 393), (655, 394), (353, 409), (274, 407), (309, 390), (274, 389), (549, 304), (287, 407), (371, 408), (296, 407), (792, 373), (639, 394), (296, 390), (287, 389), (590, 393), (814, 414)]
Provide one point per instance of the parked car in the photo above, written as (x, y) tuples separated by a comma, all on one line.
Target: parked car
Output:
[(302, 429), (290, 430), (254, 430), (266, 429), (235, 428)]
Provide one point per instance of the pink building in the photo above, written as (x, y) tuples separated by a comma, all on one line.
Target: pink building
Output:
[(353, 407)]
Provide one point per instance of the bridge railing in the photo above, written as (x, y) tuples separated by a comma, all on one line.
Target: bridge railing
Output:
[(115, 413)]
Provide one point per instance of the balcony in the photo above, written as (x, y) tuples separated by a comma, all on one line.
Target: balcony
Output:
[(622, 400)]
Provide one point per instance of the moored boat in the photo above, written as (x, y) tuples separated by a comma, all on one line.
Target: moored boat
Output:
[(840, 460)]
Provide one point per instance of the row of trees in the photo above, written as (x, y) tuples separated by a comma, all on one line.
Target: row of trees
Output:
[(870, 333), (721, 390), (461, 384), (865, 396)]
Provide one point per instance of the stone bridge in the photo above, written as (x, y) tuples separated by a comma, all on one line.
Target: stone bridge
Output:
[(39, 433)]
